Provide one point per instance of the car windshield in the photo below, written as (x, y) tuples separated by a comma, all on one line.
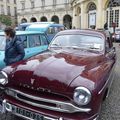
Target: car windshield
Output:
[(78, 42), (2, 43)]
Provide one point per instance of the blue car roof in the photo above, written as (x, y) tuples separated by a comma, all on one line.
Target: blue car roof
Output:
[(24, 32), (29, 23), (42, 27)]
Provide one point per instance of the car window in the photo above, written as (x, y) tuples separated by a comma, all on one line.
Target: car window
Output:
[(24, 39), (34, 40), (61, 29), (44, 40), (56, 29), (2, 42), (51, 30)]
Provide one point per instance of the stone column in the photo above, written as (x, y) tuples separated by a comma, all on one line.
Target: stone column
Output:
[(74, 20), (83, 20), (100, 15)]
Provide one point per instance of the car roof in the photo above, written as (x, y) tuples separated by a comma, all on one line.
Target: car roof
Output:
[(44, 25), (25, 32), (27, 23), (84, 31)]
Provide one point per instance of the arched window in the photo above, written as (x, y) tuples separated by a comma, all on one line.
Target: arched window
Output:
[(113, 3), (91, 15), (43, 19), (78, 11), (67, 21), (91, 7)]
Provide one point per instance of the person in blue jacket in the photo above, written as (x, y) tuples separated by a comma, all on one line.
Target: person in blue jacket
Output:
[(14, 49)]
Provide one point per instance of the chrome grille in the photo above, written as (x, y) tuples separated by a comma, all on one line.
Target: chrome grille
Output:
[(49, 104)]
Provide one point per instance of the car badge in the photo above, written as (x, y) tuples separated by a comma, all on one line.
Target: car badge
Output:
[(32, 81)]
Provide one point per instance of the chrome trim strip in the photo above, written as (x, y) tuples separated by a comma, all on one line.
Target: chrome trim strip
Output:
[(107, 80), (60, 106)]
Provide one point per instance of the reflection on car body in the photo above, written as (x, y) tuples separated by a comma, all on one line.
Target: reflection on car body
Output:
[(69, 81)]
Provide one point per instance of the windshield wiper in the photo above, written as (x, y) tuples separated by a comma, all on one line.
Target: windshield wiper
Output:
[(93, 48), (55, 45), (73, 47)]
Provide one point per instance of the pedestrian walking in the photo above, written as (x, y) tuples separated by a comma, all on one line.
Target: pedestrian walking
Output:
[(14, 49)]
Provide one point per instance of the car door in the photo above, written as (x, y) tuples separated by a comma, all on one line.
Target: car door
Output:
[(34, 45), (26, 45), (44, 42), (111, 59)]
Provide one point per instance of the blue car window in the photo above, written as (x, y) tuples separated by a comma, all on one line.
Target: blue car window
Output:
[(56, 29), (34, 40), (51, 30), (2, 42), (44, 40), (24, 40)]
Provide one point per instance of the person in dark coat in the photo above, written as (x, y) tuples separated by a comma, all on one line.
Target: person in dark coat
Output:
[(14, 49)]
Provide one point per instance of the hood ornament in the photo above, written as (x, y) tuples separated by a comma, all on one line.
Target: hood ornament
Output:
[(32, 81)]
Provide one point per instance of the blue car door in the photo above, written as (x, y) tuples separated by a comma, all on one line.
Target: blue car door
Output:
[(24, 38), (34, 45), (44, 41)]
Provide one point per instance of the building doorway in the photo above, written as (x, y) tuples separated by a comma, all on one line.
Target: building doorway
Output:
[(43, 19), (55, 19), (67, 21), (33, 19)]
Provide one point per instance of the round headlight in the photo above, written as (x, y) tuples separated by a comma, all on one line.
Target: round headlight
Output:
[(82, 96), (3, 78)]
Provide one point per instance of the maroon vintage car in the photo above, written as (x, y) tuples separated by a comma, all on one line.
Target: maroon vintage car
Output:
[(69, 81)]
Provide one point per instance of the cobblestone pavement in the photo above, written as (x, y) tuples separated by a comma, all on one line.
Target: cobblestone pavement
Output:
[(111, 106)]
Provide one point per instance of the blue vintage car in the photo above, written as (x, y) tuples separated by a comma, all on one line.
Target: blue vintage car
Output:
[(51, 29), (23, 26), (34, 43)]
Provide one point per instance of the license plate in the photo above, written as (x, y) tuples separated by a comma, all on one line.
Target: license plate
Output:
[(26, 113)]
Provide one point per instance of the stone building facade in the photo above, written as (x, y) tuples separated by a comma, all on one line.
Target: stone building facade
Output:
[(9, 8), (58, 11), (87, 13)]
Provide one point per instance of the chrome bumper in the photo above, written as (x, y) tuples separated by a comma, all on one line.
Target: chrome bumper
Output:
[(7, 107)]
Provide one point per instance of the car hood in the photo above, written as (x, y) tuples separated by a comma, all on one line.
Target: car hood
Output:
[(54, 71)]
